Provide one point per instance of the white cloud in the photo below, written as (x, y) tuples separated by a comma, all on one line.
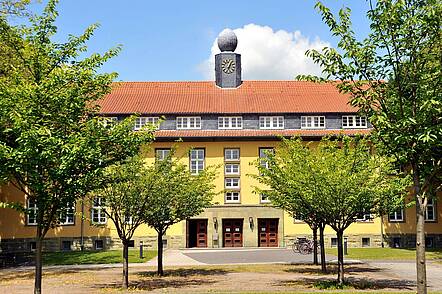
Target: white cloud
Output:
[(269, 55)]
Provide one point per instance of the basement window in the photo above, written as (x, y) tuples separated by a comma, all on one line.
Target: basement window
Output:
[(365, 242), (66, 245), (99, 245)]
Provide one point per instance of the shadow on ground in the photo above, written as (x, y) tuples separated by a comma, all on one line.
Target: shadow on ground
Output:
[(331, 270), (351, 283), (27, 274), (173, 278)]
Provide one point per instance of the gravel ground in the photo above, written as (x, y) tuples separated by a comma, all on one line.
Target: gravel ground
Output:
[(374, 277)]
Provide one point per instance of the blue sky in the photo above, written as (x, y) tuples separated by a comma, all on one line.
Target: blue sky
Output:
[(172, 40)]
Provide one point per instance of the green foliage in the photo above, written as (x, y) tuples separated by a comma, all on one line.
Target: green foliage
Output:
[(176, 194), (52, 145), (125, 190), (335, 181), (13, 7), (393, 76)]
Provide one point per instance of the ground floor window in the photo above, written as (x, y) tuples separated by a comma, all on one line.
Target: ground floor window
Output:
[(31, 216), (98, 211), (232, 197), (430, 212), (365, 242), (396, 216)]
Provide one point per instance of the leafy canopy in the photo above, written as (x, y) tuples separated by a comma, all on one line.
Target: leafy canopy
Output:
[(53, 146), (176, 194), (394, 77), (335, 181)]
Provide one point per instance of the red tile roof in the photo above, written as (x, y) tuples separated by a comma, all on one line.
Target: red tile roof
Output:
[(255, 133), (206, 97)]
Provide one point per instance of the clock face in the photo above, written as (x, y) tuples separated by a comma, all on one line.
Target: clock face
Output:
[(228, 66)]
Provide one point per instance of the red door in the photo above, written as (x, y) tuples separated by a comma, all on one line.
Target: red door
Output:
[(268, 232), (201, 233), (232, 232)]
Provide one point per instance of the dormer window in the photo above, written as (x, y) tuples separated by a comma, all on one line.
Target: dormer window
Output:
[(140, 122), (188, 123), (354, 122), (230, 122), (108, 121), (271, 122), (312, 122)]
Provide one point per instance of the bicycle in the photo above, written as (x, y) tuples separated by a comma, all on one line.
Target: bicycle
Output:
[(303, 246)]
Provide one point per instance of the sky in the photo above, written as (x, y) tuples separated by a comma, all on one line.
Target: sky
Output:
[(176, 40)]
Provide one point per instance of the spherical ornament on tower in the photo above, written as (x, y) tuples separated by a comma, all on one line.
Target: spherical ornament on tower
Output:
[(227, 41)]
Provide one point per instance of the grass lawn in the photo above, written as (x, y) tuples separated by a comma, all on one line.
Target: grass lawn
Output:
[(387, 253), (94, 257)]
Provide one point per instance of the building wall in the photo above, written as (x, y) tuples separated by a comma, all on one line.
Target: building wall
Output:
[(13, 225)]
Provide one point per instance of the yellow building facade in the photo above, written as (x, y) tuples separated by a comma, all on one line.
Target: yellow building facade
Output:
[(228, 123)]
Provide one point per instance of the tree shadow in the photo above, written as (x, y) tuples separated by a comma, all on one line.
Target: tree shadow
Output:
[(185, 272), (332, 270), (352, 283), (173, 278), (23, 274)]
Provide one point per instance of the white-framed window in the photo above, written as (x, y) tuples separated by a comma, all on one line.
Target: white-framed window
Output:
[(196, 161), (230, 122), (430, 212), (188, 122), (271, 122), (231, 154), (98, 211), (263, 154), (141, 121), (354, 121), (231, 183), (231, 169), (128, 219), (312, 122), (264, 198), (108, 121), (364, 217), (232, 196), (396, 216), (162, 153), (31, 216), (67, 215)]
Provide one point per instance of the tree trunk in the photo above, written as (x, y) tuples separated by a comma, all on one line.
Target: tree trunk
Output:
[(160, 253), (322, 245), (420, 234), (315, 244), (82, 226), (125, 264), (382, 230), (38, 261), (339, 235)]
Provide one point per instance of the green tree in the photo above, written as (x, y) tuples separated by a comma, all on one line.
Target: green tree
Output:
[(176, 196), (52, 145), (124, 193), (393, 76), (336, 181), (294, 196), (13, 7)]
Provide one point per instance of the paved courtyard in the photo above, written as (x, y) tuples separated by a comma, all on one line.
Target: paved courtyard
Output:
[(234, 256), (202, 271)]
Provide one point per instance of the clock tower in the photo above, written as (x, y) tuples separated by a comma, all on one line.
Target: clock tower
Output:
[(227, 63)]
